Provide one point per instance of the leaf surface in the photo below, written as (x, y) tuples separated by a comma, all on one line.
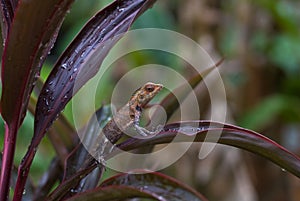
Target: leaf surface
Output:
[(155, 185), (208, 131), (7, 13), (25, 49), (82, 59)]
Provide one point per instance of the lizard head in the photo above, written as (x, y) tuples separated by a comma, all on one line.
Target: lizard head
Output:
[(147, 92), (141, 97)]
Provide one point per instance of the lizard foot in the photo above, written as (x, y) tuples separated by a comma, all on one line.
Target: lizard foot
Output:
[(144, 132), (101, 160)]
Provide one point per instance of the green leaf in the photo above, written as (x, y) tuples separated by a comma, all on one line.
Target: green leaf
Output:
[(270, 108)]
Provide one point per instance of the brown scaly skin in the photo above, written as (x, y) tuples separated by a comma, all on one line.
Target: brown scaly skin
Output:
[(128, 117)]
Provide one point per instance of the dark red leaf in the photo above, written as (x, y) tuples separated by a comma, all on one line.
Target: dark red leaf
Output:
[(66, 186), (48, 180), (230, 135), (82, 59), (63, 144), (79, 155), (80, 62), (7, 14), (26, 47), (142, 185), (25, 50), (170, 102), (112, 193), (163, 186), (30, 188)]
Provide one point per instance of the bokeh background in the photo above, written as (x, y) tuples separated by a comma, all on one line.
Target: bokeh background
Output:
[(260, 41)]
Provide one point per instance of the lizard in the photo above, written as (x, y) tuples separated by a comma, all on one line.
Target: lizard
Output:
[(125, 118), (128, 117)]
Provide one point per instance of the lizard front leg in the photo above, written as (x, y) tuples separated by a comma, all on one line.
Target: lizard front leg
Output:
[(144, 132), (140, 130)]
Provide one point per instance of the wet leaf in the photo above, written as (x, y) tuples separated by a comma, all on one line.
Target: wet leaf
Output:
[(209, 131), (141, 185), (63, 144), (77, 158), (24, 53), (159, 185), (112, 193), (67, 185), (79, 62), (170, 102), (199, 131), (7, 14), (8, 8), (48, 180), (30, 188), (82, 59)]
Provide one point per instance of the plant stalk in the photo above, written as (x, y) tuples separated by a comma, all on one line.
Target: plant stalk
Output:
[(7, 160), (23, 172)]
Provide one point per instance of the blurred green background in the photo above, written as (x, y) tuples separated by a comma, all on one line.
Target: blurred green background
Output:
[(260, 42)]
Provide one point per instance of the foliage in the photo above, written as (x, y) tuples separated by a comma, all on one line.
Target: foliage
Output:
[(29, 30)]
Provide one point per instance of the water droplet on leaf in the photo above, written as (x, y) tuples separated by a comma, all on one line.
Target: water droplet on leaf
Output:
[(188, 130), (64, 66)]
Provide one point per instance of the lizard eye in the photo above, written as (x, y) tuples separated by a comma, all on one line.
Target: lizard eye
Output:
[(149, 89)]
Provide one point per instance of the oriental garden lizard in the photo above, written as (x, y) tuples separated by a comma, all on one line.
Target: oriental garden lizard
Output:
[(128, 117), (125, 119)]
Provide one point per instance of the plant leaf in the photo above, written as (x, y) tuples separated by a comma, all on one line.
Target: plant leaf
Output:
[(7, 14), (112, 193), (30, 188), (82, 59), (162, 185), (48, 180), (25, 52), (206, 130), (78, 156), (153, 185), (63, 144), (67, 185), (170, 102), (79, 62), (230, 135)]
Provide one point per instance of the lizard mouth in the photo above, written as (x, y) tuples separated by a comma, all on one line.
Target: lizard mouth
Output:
[(160, 86)]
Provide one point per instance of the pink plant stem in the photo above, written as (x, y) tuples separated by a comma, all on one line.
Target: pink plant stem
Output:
[(7, 160), (23, 172)]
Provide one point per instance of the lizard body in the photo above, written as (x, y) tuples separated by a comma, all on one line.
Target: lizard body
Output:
[(128, 117)]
